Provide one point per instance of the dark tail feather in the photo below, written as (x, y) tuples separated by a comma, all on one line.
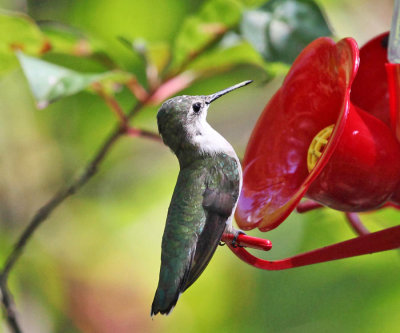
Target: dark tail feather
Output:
[(167, 295), (163, 304), (165, 298)]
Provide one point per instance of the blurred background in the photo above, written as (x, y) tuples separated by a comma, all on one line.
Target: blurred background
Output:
[(93, 266)]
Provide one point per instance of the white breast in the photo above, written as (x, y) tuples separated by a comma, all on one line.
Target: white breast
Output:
[(211, 142)]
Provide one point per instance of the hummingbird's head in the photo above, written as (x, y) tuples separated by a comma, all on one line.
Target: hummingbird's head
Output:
[(182, 120)]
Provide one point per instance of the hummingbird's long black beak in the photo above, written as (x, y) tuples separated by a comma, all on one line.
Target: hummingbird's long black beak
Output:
[(213, 97)]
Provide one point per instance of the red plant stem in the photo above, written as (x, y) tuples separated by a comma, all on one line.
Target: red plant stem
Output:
[(137, 89), (135, 132), (124, 120), (307, 206), (384, 240), (112, 104), (356, 223), (171, 87)]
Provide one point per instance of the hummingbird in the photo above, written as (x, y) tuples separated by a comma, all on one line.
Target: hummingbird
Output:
[(204, 198)]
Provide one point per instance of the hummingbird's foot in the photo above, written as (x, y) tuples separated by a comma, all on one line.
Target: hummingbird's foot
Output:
[(237, 238), (234, 242), (231, 236)]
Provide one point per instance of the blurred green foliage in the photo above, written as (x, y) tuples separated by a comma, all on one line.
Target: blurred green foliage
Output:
[(280, 29), (24, 29), (51, 82), (93, 266)]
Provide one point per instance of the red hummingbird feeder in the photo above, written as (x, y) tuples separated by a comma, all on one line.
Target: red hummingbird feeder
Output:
[(330, 134)]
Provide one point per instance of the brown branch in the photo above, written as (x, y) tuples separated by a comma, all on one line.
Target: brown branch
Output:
[(43, 213), (8, 305)]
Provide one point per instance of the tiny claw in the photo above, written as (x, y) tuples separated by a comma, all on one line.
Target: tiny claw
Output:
[(221, 243), (234, 241)]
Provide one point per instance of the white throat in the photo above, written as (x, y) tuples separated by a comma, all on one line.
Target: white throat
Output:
[(208, 140)]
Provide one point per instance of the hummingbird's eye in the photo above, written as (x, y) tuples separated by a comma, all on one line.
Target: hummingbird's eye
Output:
[(196, 107)]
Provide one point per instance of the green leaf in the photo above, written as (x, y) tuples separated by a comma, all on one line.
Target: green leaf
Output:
[(280, 29), (233, 51), (19, 32), (65, 39), (252, 3), (199, 32), (157, 53), (50, 82), (225, 57)]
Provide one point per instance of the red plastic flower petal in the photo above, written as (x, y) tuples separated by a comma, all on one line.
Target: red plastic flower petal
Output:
[(310, 140), (369, 90)]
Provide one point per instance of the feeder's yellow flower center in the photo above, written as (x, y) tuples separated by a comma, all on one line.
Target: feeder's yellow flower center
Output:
[(317, 146)]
